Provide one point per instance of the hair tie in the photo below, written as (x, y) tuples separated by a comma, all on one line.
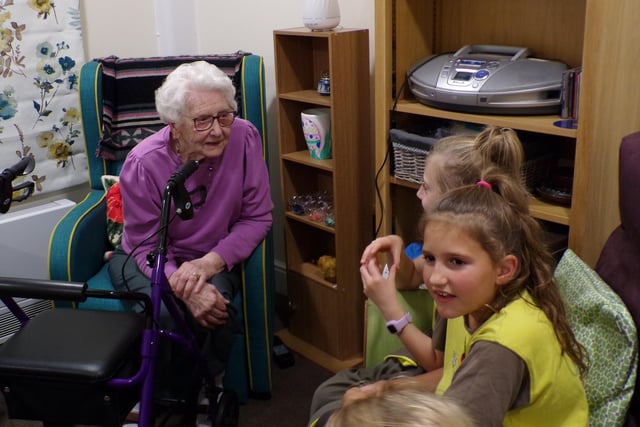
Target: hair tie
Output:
[(483, 183)]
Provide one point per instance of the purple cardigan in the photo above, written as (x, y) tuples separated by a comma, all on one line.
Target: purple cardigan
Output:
[(234, 218)]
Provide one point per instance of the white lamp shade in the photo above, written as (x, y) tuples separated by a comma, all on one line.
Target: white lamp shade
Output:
[(321, 14)]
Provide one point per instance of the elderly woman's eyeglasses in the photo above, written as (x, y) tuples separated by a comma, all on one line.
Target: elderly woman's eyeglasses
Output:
[(204, 123)]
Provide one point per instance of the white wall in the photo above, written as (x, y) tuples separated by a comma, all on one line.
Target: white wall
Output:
[(127, 28)]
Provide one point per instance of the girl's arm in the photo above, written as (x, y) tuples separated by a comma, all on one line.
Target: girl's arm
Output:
[(429, 380), (381, 290), (420, 346)]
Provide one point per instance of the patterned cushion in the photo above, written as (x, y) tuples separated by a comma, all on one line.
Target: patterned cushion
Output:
[(128, 90), (115, 219), (604, 326)]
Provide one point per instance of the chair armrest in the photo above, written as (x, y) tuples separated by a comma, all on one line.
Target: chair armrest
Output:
[(258, 299), (79, 240)]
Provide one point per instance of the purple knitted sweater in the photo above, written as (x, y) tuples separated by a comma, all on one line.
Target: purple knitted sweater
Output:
[(234, 218)]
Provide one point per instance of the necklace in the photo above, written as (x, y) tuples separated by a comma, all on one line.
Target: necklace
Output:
[(175, 146)]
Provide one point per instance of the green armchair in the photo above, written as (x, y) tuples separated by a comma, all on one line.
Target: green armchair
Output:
[(79, 241)]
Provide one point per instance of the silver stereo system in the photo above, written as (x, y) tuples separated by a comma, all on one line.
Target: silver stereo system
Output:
[(489, 79)]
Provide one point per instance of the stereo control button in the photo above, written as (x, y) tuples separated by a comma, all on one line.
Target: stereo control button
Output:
[(481, 74)]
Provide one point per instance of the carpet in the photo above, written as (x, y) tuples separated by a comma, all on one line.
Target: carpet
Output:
[(292, 392)]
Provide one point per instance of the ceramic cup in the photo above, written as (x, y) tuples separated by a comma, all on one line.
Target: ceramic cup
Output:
[(316, 126)]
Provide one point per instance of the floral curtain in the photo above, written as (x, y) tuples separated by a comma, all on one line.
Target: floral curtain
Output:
[(41, 53)]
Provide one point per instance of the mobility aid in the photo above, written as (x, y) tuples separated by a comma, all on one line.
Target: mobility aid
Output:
[(68, 366)]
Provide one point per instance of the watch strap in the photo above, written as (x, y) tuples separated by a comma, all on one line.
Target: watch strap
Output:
[(396, 326)]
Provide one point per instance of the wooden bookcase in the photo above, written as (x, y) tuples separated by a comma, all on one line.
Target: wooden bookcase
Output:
[(596, 34), (326, 323)]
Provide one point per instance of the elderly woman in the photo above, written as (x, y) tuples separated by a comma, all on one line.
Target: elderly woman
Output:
[(229, 191)]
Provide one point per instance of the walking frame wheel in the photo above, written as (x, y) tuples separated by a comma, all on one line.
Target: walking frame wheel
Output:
[(224, 408)]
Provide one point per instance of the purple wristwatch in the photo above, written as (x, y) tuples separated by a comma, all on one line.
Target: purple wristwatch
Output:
[(396, 326)]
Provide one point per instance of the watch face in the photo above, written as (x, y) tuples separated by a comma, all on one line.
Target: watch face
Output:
[(396, 326)]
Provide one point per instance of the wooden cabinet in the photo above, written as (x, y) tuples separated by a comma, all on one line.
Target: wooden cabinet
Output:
[(326, 320), (597, 34)]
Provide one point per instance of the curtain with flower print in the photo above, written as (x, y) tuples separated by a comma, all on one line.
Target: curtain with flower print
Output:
[(41, 53)]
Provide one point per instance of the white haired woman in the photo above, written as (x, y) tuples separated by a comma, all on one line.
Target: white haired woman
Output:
[(230, 194)]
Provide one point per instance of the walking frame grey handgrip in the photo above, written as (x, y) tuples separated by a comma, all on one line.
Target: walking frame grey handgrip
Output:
[(42, 289)]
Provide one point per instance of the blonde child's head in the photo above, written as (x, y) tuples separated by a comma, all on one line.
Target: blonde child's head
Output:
[(458, 160), (405, 407)]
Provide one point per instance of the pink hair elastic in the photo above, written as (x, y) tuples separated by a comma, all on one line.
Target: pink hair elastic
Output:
[(483, 183)]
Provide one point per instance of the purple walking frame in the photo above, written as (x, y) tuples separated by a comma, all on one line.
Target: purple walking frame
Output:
[(161, 293)]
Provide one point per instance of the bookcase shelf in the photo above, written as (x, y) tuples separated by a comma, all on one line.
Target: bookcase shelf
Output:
[(540, 209), (577, 32), (541, 124), (326, 323)]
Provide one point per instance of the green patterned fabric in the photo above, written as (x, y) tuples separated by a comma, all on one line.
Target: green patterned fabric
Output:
[(602, 323)]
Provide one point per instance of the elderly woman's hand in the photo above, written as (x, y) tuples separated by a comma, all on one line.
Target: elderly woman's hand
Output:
[(192, 276), (208, 307)]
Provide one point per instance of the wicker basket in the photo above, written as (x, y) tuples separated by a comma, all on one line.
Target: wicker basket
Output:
[(535, 171), (410, 151)]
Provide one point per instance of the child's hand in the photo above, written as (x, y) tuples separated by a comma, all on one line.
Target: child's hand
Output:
[(392, 244), (380, 289), (364, 392)]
